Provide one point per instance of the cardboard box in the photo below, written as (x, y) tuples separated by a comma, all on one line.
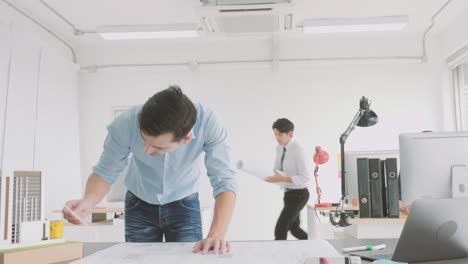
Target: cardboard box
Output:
[(60, 253)]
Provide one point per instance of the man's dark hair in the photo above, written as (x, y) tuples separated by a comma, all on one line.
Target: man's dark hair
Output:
[(283, 125), (168, 111)]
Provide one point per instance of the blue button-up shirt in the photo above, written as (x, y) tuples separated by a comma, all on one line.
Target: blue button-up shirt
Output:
[(171, 176)]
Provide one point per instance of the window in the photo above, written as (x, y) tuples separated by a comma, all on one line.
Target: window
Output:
[(119, 109), (461, 84)]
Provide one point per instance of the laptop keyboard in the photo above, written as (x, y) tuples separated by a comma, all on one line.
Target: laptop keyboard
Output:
[(374, 255)]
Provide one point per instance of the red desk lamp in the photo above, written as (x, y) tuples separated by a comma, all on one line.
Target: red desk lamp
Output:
[(320, 157)]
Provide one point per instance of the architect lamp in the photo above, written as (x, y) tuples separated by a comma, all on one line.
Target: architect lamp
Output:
[(363, 118)]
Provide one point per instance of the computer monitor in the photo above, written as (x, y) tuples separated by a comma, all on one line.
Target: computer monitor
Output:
[(428, 162)]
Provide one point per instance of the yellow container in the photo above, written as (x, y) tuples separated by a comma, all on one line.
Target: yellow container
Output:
[(56, 229)]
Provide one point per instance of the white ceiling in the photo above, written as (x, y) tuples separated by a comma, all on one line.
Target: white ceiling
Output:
[(88, 15)]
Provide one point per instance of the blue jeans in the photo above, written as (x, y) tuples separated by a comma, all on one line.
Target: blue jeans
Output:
[(178, 221)]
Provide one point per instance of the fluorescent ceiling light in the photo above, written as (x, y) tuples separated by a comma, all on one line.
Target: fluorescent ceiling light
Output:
[(148, 31), (333, 25)]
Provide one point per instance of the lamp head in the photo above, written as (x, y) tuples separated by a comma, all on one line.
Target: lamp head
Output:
[(320, 156), (368, 117)]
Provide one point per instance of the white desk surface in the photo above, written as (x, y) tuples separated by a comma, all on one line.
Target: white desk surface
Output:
[(338, 244), (293, 251)]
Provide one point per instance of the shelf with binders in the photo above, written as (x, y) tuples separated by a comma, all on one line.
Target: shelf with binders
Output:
[(377, 220)]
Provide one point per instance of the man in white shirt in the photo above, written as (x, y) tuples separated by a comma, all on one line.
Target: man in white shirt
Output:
[(292, 169)]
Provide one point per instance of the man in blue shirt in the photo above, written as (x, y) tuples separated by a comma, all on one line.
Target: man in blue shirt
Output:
[(165, 136)]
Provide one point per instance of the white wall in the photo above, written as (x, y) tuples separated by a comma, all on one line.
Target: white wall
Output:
[(4, 69), (455, 36), (4, 72), (321, 99), (41, 108), (57, 152)]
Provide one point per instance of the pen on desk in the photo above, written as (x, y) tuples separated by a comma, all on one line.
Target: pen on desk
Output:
[(364, 248), (75, 215)]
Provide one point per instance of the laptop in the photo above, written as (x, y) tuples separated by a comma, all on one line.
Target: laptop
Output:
[(436, 229)]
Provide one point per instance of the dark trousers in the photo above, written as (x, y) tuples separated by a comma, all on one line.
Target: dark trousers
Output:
[(294, 202), (178, 221)]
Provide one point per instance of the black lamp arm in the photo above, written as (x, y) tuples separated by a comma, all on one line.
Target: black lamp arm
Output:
[(352, 125), (343, 138)]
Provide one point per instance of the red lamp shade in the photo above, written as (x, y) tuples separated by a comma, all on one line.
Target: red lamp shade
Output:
[(320, 156)]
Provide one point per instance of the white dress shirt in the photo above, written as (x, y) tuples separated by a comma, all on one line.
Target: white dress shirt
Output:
[(295, 164)]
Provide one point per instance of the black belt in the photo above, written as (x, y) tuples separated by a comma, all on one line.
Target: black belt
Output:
[(289, 189)]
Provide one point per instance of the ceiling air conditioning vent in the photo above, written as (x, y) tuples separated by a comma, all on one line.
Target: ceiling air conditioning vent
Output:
[(246, 19)]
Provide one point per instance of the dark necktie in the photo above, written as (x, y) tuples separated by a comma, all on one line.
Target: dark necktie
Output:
[(282, 158)]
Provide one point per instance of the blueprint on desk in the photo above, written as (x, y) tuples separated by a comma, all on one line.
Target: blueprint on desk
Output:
[(259, 252)]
